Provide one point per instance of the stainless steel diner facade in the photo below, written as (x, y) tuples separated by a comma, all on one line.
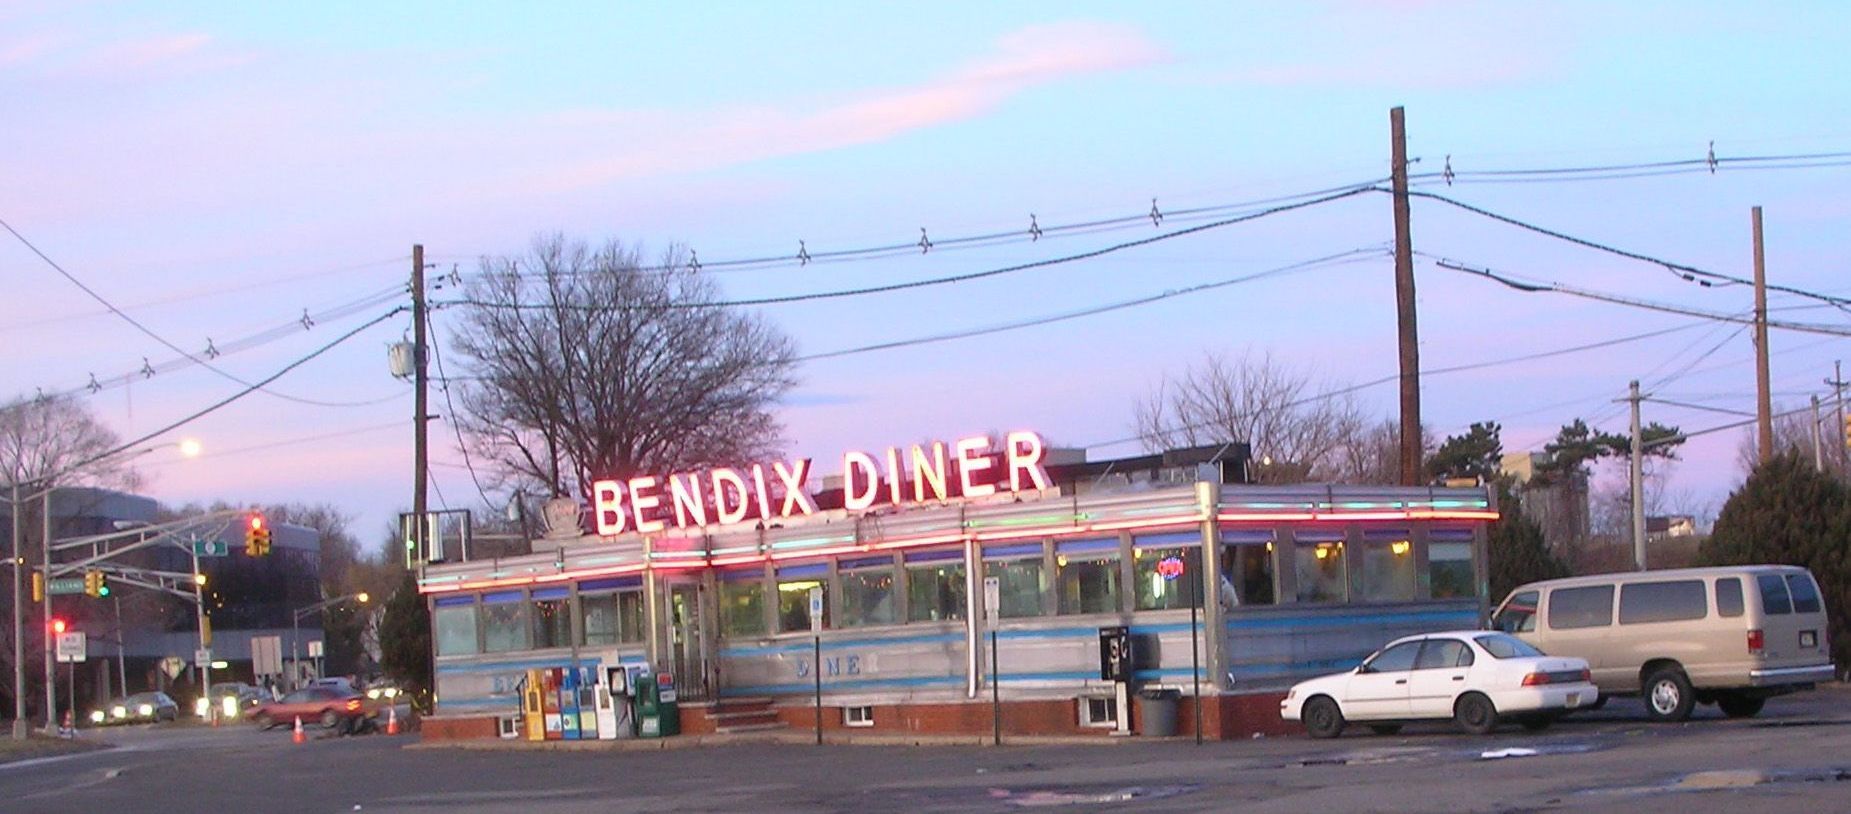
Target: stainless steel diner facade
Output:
[(1298, 580)]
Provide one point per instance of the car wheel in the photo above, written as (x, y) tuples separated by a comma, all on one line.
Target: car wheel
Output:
[(1322, 717), (330, 719), (1538, 723), (1475, 713), (1741, 706), (1385, 729), (263, 721), (1668, 697)]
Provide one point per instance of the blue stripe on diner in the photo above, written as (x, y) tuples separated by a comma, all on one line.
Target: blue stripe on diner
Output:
[(865, 562), (1082, 546), (502, 597), (1318, 535), (551, 593), (1293, 668), (1171, 539), (1092, 675), (1018, 550), (1453, 535), (1244, 537), (820, 569), (1087, 632), (935, 556), (1382, 535), (511, 702), (614, 582), (456, 601), (531, 664), (850, 684), (805, 646), (1468, 617), (742, 574)]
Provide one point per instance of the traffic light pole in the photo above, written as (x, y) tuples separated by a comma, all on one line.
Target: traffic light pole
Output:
[(19, 610), (199, 610), (51, 686)]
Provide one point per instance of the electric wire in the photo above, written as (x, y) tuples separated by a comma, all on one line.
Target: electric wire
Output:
[(450, 404)]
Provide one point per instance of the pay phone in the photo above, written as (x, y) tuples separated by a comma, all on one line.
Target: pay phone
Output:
[(533, 706)]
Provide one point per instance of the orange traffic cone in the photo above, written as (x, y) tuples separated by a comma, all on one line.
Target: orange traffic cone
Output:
[(299, 737), (392, 720)]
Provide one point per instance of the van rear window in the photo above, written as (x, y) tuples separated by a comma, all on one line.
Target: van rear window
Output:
[(1729, 597), (1805, 596), (1774, 600), (1644, 602), (1581, 607)]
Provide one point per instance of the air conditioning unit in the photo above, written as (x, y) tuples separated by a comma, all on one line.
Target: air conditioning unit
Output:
[(508, 726)]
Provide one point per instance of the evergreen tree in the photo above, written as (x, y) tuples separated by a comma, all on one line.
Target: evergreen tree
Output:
[(1476, 454), (1789, 514), (405, 640), (1517, 551)]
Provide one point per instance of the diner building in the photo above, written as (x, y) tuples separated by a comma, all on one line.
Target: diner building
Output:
[(1228, 591)]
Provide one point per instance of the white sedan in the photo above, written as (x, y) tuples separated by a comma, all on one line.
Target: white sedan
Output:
[(1475, 677)]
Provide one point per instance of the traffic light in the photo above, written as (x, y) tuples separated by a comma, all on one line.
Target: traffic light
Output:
[(38, 587), (58, 626), (96, 583), (1848, 430), (256, 536)]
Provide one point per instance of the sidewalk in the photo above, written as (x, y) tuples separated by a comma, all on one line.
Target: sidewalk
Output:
[(790, 737)]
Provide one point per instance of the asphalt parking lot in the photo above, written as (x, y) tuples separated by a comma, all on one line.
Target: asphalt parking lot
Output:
[(1796, 756)]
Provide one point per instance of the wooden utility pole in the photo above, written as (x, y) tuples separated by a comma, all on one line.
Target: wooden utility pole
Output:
[(420, 420), (1636, 474), (1409, 337), (1764, 401)]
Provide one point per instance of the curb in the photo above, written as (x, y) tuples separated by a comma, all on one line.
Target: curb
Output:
[(784, 738)]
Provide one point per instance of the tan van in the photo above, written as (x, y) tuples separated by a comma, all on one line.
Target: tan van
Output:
[(1733, 636)]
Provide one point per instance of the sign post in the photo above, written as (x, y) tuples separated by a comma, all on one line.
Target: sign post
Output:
[(816, 669), (72, 647), (992, 603)]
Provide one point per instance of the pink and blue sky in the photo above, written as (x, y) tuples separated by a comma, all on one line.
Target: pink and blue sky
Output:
[(217, 169)]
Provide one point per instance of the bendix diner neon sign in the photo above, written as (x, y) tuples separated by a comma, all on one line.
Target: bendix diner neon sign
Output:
[(967, 468)]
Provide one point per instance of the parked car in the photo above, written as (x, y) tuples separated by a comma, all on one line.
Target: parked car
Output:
[(1476, 678), (324, 705), (142, 707), (115, 711), (1733, 636), (241, 696)]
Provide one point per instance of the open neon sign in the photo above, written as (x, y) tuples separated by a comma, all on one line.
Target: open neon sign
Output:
[(968, 468)]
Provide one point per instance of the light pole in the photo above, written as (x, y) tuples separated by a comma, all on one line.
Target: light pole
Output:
[(295, 632), (188, 448)]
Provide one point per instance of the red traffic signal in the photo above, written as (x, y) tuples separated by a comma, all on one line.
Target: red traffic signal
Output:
[(58, 626), (256, 535)]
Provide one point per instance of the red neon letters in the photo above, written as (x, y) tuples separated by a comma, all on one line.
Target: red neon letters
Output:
[(648, 504)]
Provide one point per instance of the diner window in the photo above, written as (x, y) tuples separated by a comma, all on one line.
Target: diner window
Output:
[(794, 584), (1165, 575), (935, 589), (1320, 569), (504, 627), (1086, 576), (867, 591), (1449, 569), (551, 617), (1020, 576), (1246, 569), (742, 602), (611, 617), (455, 625), (1388, 567)]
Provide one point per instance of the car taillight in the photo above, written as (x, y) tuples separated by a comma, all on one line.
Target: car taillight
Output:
[(1587, 676), (1535, 679), (1756, 641), (353, 705)]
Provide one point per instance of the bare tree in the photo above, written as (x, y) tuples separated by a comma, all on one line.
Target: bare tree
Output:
[(1295, 434), (583, 363), (1794, 432)]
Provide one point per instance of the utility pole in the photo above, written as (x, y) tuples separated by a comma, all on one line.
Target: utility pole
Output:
[(1764, 403), (19, 610), (1837, 383), (419, 419), (51, 678), (1818, 448), (1408, 336), (1637, 471)]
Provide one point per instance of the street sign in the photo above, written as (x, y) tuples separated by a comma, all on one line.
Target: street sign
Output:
[(71, 647), (172, 665), (65, 585), (211, 547), (267, 655), (314, 649), (992, 598), (202, 657), (816, 610)]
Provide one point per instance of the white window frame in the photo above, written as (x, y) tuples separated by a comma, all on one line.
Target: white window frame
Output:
[(1084, 711), (862, 715)]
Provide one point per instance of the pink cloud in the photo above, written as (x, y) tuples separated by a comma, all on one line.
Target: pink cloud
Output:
[(1024, 59)]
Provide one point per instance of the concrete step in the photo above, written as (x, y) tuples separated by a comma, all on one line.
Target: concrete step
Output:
[(742, 717), (732, 729)]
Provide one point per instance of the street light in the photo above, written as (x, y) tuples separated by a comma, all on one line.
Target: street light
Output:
[(295, 633), (188, 447)]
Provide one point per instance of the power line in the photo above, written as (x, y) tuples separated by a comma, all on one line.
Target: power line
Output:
[(912, 284), (285, 443), (249, 389), (444, 384)]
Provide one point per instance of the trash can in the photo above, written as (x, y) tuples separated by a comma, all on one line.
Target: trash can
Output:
[(1157, 712)]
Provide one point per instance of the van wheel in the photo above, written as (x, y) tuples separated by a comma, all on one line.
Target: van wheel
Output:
[(1668, 697), (1475, 713), (1741, 706), (1322, 718)]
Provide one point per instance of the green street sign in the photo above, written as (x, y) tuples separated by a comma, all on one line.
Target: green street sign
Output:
[(65, 585), (209, 548)]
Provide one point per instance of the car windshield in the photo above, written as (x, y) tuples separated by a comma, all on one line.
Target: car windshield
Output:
[(1501, 646)]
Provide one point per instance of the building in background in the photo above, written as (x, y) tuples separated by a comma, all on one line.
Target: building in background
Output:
[(1558, 503)]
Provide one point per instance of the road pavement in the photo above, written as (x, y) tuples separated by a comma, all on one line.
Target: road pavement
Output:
[(1796, 757)]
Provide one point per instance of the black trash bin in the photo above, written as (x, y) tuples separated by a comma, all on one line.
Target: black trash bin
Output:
[(1157, 712)]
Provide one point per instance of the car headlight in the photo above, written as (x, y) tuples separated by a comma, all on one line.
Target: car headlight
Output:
[(203, 707), (119, 712), (374, 694), (145, 709), (96, 716), (391, 692)]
